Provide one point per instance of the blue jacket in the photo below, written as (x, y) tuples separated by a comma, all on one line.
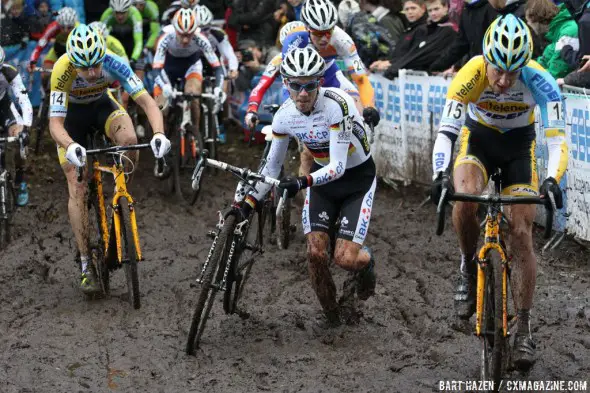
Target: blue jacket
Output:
[(78, 5)]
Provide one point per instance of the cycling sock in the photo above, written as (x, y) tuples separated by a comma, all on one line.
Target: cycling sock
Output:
[(84, 263), (468, 264), (523, 321)]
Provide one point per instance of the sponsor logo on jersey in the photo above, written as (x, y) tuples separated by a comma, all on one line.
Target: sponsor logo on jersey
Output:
[(65, 77), (359, 132), (339, 99), (503, 107), (545, 87), (296, 43), (115, 65), (467, 87), (500, 116), (324, 216)]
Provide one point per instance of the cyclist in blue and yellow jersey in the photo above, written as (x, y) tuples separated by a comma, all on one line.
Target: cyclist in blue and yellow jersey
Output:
[(80, 101), (490, 103)]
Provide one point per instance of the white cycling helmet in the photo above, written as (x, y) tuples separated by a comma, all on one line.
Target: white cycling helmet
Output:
[(346, 9), (101, 28), (121, 5), (184, 21), (67, 17), (204, 15), (290, 28), (302, 62), (319, 15)]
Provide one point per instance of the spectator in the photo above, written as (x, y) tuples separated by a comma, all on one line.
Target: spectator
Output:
[(572, 53), (253, 19), (217, 7), (455, 10), (43, 18), (251, 64), (517, 8), (372, 41), (475, 19), (395, 23), (77, 5), (288, 11), (560, 28), (426, 47), (94, 9), (415, 11), (15, 27)]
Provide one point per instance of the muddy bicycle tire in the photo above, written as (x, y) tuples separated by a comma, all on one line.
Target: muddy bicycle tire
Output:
[(10, 206), (284, 229), (129, 254), (494, 343), (97, 250), (209, 289), (40, 123)]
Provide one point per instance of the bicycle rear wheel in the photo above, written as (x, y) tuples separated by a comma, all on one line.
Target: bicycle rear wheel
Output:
[(284, 225), (494, 351), (215, 269), (129, 254), (40, 122)]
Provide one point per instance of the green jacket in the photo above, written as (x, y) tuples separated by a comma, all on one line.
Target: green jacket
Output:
[(134, 22), (151, 23), (562, 31)]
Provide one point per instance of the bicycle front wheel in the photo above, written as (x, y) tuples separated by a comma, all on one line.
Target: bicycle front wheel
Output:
[(214, 269), (129, 254), (494, 343), (7, 204)]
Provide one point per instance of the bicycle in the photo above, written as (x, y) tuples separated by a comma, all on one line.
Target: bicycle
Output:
[(7, 190), (493, 272), (117, 245), (231, 256), (40, 120), (209, 123)]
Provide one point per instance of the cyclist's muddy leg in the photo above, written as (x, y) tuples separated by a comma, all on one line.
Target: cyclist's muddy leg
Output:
[(77, 207), (318, 244), (121, 132), (524, 265), (19, 163), (349, 256), (469, 179), (194, 86)]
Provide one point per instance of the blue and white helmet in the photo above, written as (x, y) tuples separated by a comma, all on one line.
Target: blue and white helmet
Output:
[(85, 47), (508, 44)]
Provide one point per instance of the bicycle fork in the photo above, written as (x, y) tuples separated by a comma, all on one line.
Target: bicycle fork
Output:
[(186, 121), (492, 242)]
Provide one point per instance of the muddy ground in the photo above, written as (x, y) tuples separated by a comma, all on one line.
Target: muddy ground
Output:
[(52, 339)]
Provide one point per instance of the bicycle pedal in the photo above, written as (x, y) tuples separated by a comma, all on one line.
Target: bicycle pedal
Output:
[(212, 234)]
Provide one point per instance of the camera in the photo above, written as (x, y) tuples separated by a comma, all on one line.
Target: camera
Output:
[(247, 55)]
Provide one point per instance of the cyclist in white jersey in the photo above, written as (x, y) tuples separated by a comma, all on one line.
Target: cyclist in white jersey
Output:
[(342, 180)]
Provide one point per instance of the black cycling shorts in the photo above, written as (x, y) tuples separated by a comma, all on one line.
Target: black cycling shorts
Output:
[(349, 197), (83, 119), (8, 112), (512, 151)]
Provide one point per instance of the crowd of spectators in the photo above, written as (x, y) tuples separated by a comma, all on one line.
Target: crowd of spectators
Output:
[(437, 36)]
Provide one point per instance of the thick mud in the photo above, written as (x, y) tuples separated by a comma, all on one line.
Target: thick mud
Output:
[(52, 339)]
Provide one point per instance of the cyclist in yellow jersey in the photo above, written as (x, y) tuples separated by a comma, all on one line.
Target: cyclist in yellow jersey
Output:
[(113, 44), (491, 102), (80, 102)]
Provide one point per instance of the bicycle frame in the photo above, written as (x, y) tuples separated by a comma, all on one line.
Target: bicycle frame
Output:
[(120, 192)]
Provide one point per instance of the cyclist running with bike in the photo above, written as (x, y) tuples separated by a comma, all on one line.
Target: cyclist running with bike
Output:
[(12, 122), (491, 103), (342, 180), (179, 57), (64, 23), (80, 101), (320, 18)]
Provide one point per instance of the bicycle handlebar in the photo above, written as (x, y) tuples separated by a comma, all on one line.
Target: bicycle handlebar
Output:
[(116, 149), (494, 199), (244, 173)]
